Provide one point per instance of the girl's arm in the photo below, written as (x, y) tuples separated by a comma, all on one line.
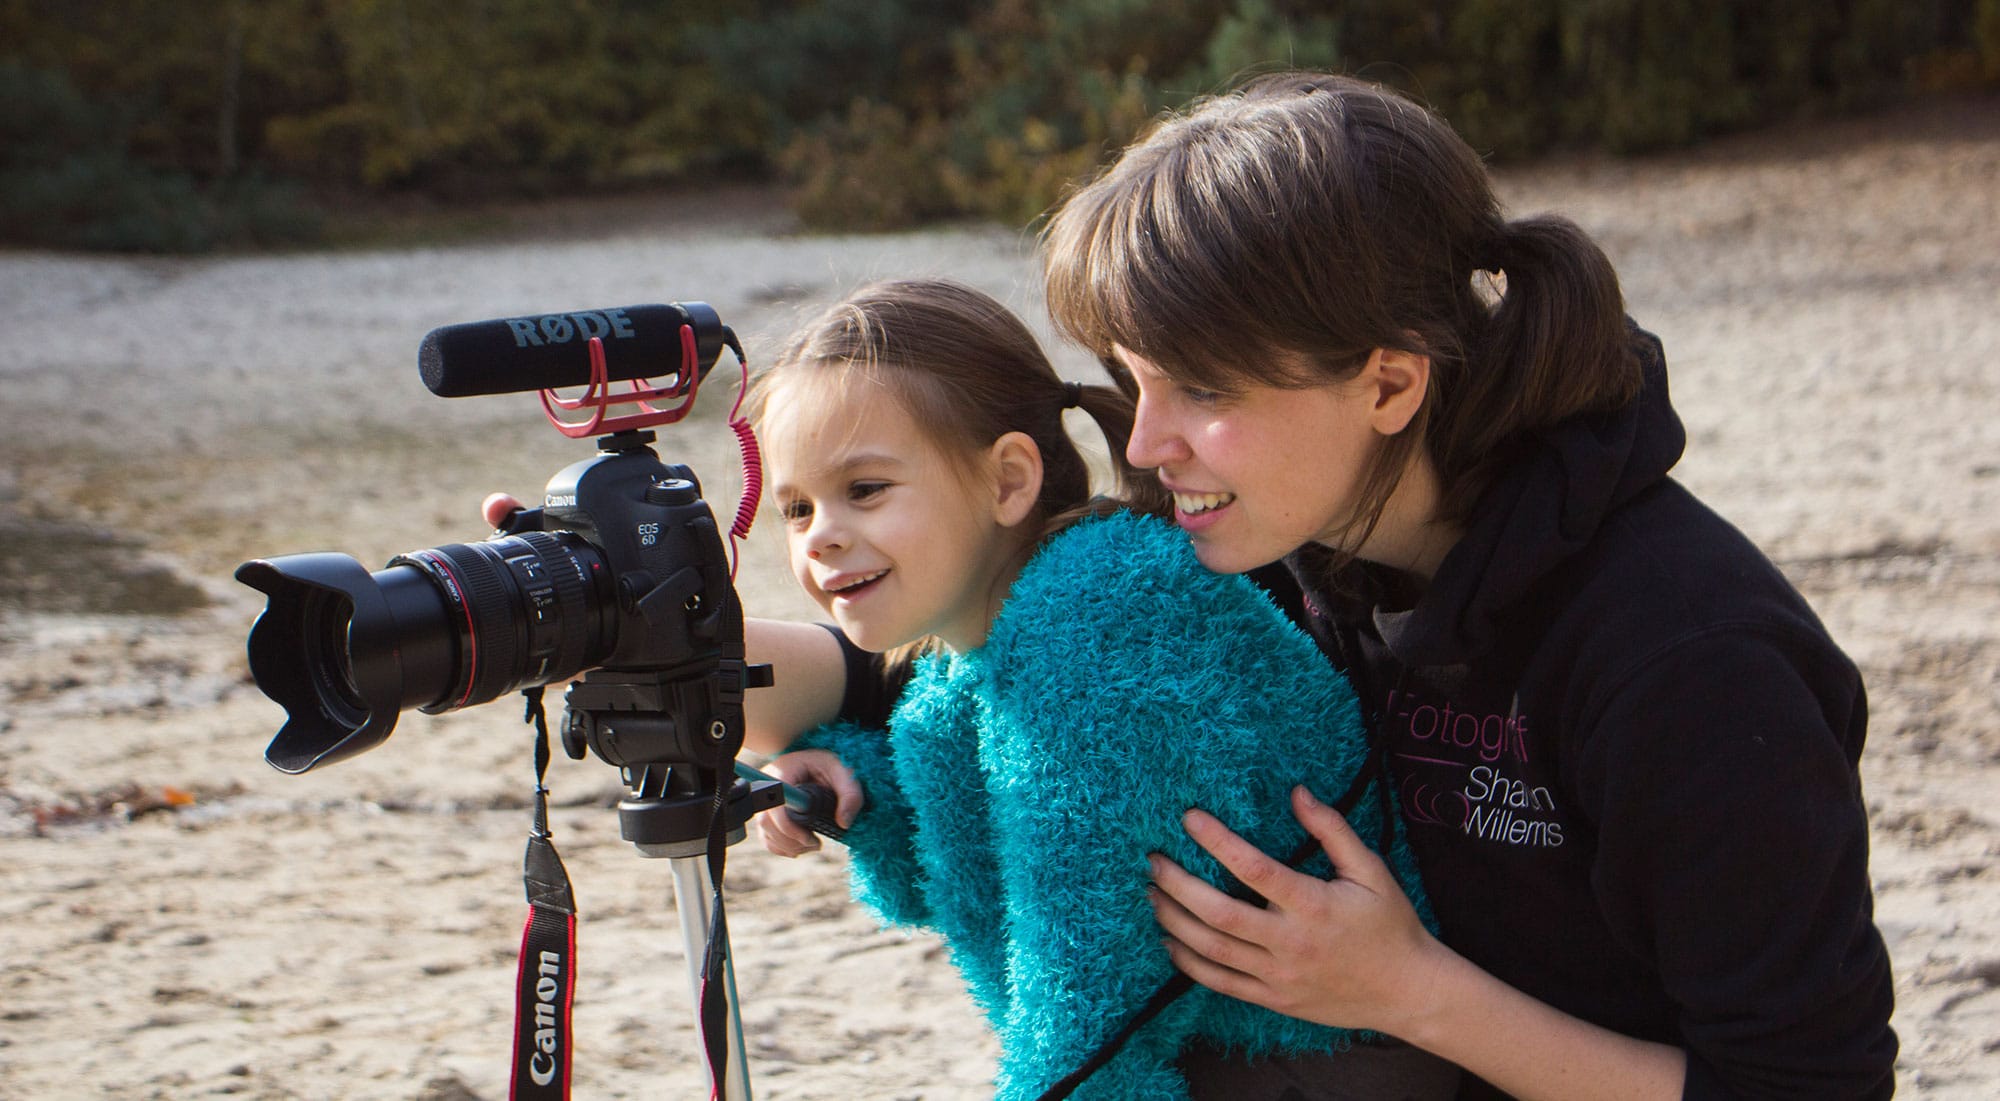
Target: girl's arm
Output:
[(808, 683), (1303, 956), (809, 679)]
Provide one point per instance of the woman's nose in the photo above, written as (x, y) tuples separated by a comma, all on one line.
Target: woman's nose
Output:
[(1154, 443)]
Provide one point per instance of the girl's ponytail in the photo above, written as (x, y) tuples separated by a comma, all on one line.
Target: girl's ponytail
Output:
[(1138, 490)]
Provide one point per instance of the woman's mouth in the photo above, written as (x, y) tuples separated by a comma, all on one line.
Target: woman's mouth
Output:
[(1195, 504)]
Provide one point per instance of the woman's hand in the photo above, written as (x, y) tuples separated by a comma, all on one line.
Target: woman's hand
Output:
[(778, 830), (496, 507), (1348, 952)]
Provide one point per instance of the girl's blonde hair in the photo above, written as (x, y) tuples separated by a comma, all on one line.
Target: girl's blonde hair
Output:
[(967, 371), (1281, 233)]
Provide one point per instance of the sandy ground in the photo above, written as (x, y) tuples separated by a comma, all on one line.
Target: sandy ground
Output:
[(182, 921)]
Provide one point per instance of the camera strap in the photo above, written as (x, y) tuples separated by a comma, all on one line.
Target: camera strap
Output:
[(545, 983), (715, 1008)]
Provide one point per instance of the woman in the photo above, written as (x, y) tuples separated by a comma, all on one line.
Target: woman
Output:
[(1626, 749)]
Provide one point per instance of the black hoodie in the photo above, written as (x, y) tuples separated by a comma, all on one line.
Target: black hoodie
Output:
[(1627, 757)]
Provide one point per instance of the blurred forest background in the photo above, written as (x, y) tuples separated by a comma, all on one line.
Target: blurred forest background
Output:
[(150, 125)]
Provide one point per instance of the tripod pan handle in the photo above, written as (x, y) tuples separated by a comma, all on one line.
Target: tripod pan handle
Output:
[(815, 809), (810, 804)]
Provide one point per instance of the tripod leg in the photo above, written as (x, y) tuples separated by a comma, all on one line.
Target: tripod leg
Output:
[(693, 888)]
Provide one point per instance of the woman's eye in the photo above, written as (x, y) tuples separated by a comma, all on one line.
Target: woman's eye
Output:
[(1200, 396)]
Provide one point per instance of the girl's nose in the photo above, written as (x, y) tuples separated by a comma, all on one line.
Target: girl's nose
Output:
[(822, 538)]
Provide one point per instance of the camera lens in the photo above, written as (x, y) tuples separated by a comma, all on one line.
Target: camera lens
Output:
[(519, 610), (345, 650), (329, 614)]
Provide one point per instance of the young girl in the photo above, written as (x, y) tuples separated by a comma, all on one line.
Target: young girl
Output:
[(1625, 748), (1086, 682)]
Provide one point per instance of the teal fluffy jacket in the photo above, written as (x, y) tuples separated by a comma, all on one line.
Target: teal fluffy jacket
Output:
[(1020, 786)]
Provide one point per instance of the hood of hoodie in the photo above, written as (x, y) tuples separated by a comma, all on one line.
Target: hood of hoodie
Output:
[(1546, 506)]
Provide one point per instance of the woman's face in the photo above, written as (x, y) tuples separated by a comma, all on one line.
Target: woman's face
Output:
[(1255, 472)]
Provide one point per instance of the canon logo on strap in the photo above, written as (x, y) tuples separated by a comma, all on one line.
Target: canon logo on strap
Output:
[(548, 987)]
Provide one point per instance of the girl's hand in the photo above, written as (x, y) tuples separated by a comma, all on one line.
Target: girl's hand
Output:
[(777, 829), (1348, 952)]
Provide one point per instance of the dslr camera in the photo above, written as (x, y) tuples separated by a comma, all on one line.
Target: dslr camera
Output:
[(620, 575)]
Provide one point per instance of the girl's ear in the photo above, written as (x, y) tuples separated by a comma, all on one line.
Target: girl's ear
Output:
[(1017, 477), (1400, 380)]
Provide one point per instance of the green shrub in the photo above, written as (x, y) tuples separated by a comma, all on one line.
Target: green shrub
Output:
[(875, 168), (1044, 90), (132, 124), (66, 181), (1986, 39)]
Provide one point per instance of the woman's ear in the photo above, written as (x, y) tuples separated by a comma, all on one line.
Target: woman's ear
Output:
[(1399, 380), (1017, 474)]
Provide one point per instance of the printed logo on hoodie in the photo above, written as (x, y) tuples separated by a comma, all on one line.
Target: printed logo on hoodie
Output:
[(1467, 770)]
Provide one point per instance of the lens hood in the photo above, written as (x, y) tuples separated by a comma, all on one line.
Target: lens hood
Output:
[(325, 648)]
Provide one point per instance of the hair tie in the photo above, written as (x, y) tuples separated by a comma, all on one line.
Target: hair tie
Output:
[(1072, 394), (1492, 256)]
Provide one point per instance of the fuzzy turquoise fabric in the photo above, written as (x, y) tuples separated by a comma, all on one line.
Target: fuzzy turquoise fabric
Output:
[(1013, 800)]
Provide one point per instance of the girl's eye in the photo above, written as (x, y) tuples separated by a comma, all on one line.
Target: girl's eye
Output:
[(794, 511), (861, 491), (1200, 396)]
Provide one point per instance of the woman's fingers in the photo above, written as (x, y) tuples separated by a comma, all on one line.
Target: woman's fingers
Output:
[(1212, 923), (1262, 873), (1199, 948), (1207, 923), (1321, 950), (496, 507), (1352, 859)]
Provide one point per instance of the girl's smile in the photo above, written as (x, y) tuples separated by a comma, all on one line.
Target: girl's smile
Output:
[(851, 587)]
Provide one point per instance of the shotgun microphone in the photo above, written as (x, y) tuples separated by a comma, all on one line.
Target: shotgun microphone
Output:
[(510, 355)]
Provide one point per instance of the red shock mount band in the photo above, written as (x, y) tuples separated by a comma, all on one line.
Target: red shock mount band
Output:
[(597, 397)]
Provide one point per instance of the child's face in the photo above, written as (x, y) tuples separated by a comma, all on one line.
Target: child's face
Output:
[(885, 533), (1255, 473)]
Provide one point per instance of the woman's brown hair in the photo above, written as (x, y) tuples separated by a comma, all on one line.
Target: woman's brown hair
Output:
[(1280, 233)]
